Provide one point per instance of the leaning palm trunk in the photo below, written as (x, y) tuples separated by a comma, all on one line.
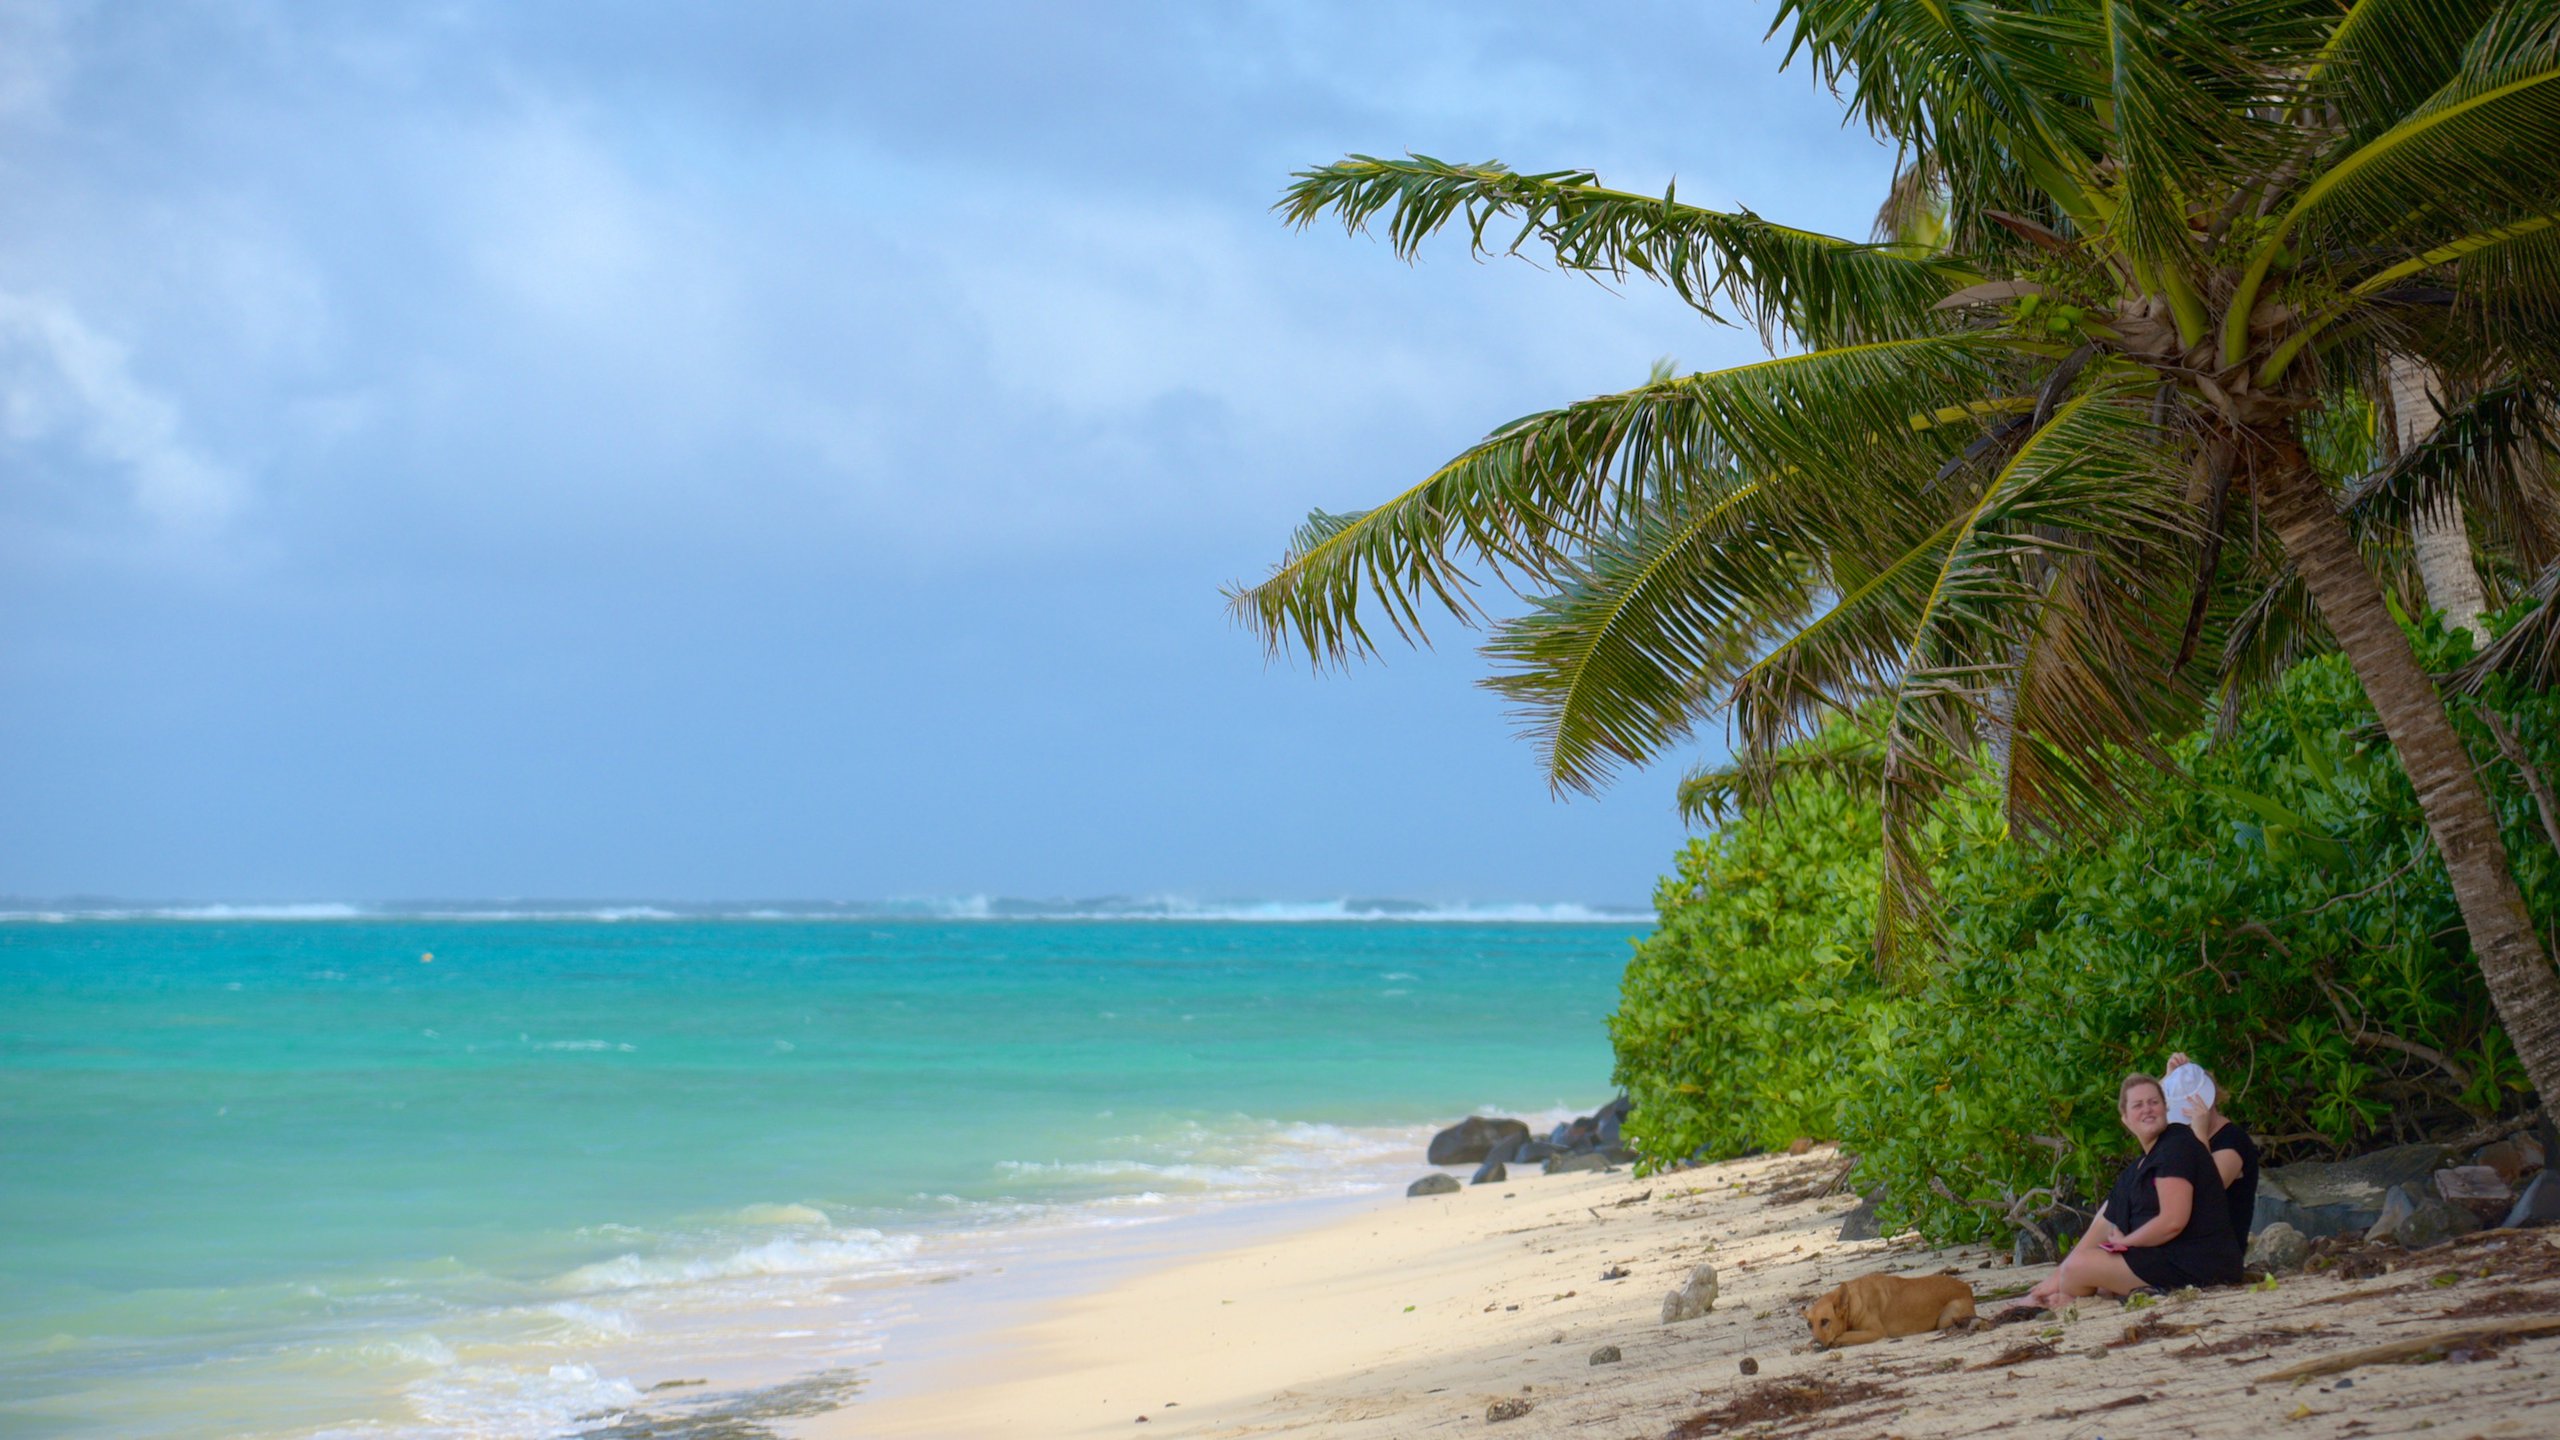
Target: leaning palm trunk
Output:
[(2520, 979), (2438, 534)]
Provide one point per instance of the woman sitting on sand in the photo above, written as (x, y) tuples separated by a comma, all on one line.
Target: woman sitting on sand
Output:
[(2234, 1149), (2161, 1228)]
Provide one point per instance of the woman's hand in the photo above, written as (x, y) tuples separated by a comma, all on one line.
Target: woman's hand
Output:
[(2114, 1247), (2176, 1059), (2194, 1111)]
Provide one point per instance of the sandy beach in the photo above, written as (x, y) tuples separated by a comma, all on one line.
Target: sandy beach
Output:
[(1414, 1317)]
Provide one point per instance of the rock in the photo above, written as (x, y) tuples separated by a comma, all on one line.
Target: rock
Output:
[(1860, 1224), (2279, 1247), (1582, 1134), (2340, 1197), (1490, 1172), (1607, 1127), (2032, 1247), (1470, 1140), (1506, 1149), (2504, 1156), (1750, 1366), (2415, 1218), (1567, 1164), (1561, 1137), (1616, 1154), (1802, 1145), (1433, 1185), (2540, 1202), (1605, 1355), (1531, 1150), (2530, 1156), (1693, 1299), (2479, 1189), (1510, 1409)]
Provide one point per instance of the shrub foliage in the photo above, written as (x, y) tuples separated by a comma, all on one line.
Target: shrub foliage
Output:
[(2278, 910)]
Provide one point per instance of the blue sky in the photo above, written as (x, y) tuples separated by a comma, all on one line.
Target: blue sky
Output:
[(789, 450)]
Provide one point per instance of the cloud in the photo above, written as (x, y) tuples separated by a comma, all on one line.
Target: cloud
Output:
[(62, 383)]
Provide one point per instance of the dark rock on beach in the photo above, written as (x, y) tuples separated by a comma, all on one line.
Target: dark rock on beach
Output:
[(1470, 1140), (1491, 1172), (2479, 1189), (1605, 1355), (2339, 1197), (1529, 1151), (1568, 1164), (2539, 1204), (2031, 1247), (1511, 1409), (2414, 1217), (1860, 1224), (1433, 1185)]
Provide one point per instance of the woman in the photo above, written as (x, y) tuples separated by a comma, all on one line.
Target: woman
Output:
[(2162, 1227), (2234, 1151)]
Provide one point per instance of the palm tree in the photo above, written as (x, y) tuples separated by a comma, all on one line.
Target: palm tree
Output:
[(2044, 483)]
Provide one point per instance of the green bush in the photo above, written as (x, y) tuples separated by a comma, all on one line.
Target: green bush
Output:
[(2278, 911)]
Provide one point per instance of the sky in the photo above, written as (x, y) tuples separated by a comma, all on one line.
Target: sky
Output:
[(758, 451)]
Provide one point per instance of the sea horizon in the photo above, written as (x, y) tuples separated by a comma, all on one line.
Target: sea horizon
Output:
[(983, 906)]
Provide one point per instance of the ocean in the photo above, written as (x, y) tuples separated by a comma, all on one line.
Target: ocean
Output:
[(324, 1172)]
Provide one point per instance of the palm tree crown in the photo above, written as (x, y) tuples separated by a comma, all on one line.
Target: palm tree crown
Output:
[(2039, 484)]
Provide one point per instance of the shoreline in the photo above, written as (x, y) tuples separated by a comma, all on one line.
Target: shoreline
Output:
[(1414, 1316)]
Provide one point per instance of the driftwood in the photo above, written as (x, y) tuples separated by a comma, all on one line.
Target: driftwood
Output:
[(2412, 1348)]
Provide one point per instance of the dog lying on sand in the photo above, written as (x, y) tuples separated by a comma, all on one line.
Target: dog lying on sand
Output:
[(1879, 1307)]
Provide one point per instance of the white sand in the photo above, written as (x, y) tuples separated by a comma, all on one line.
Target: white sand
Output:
[(1413, 1316)]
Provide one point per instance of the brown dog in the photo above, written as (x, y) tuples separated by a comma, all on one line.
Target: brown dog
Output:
[(1878, 1307)]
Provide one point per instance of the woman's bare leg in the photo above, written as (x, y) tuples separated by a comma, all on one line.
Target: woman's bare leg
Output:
[(2092, 1272)]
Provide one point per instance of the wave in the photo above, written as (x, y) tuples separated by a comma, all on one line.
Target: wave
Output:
[(947, 909), (844, 1251)]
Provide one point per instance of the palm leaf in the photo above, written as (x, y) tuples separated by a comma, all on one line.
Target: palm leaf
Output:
[(1827, 290)]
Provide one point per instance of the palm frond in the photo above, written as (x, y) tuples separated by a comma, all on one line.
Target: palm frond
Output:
[(1530, 496), (1827, 290), (1715, 794), (2472, 156), (2385, 57), (1641, 638)]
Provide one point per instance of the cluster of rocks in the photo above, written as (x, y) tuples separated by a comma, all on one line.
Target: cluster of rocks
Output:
[(2412, 1195), (1493, 1145)]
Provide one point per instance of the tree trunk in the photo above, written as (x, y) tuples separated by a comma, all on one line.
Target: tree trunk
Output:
[(2438, 533), (2521, 981)]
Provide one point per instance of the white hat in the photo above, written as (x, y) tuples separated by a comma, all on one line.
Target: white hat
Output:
[(2185, 1080)]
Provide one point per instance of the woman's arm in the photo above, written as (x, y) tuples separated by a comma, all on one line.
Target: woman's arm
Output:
[(2177, 1204), (2229, 1165)]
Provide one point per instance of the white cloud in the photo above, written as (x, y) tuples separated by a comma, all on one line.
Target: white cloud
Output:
[(63, 382)]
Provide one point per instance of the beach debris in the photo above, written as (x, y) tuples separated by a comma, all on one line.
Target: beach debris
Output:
[(2479, 1189), (1509, 1408), (1616, 1272), (1750, 1366), (1781, 1398), (2467, 1342), (1694, 1298), (1471, 1140), (1433, 1185), (1605, 1355), (1490, 1172)]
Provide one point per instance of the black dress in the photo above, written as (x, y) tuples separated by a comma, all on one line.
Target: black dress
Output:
[(2243, 1192), (2204, 1253)]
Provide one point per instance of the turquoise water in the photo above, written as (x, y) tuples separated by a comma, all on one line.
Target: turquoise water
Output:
[(296, 1178)]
